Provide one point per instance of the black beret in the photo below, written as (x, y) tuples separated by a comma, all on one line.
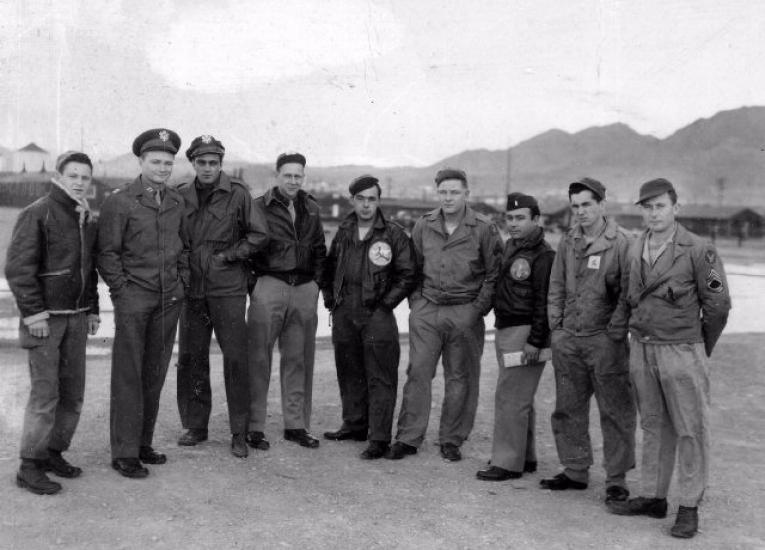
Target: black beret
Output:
[(362, 183), (450, 174), (157, 139), (598, 189), (654, 188), (205, 144), (519, 200), (286, 158), (72, 156)]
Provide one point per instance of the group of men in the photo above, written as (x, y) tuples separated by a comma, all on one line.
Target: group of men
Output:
[(195, 252)]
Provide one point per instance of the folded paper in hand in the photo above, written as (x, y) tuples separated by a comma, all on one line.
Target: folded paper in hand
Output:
[(513, 358)]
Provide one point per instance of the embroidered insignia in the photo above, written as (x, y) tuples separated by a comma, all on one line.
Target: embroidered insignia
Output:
[(520, 270), (593, 262), (710, 256), (207, 139), (714, 281), (380, 253), (164, 135)]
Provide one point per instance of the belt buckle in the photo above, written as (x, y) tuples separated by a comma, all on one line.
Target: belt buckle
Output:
[(292, 279)]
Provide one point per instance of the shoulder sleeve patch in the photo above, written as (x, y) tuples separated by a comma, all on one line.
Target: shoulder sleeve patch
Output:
[(714, 281)]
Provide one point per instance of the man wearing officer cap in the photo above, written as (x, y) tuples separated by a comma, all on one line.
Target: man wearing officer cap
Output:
[(222, 231), (144, 261), (587, 311), (679, 304), (369, 270)]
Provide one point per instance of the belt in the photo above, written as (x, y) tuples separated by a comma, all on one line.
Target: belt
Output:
[(290, 277)]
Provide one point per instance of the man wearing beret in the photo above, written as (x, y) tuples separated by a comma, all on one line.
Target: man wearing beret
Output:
[(458, 254), (283, 303), (51, 270), (520, 310), (587, 310), (222, 231), (144, 261), (369, 270), (679, 306)]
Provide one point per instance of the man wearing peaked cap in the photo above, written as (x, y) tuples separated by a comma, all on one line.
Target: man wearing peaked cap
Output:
[(222, 230), (144, 260)]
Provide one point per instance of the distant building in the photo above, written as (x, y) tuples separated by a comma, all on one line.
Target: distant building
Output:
[(30, 159), (23, 189)]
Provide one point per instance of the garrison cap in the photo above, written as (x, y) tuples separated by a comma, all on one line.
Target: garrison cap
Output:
[(286, 158), (157, 139), (362, 183), (450, 174), (597, 188), (72, 156), (519, 200), (654, 188), (205, 144)]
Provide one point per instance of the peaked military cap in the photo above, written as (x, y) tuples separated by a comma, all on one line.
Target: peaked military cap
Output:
[(654, 188), (286, 158), (205, 144), (157, 139), (450, 174)]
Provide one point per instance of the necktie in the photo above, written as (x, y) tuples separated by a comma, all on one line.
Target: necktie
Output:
[(291, 210)]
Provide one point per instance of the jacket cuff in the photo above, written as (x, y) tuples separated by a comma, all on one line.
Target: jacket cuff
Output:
[(36, 317)]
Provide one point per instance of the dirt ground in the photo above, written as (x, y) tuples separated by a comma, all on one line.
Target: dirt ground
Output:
[(291, 497)]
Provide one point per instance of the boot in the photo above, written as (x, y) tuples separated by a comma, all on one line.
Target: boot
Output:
[(31, 476), (687, 522), (59, 465)]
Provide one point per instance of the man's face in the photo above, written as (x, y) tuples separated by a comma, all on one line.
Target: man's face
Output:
[(452, 194), (365, 203), (659, 213), (207, 167), (586, 209), (76, 177), (520, 224), (156, 166), (290, 178)]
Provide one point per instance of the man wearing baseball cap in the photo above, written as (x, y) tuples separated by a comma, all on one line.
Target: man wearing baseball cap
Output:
[(222, 231), (679, 303), (144, 261)]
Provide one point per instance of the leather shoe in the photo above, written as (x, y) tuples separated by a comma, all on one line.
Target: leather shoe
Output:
[(31, 476), (192, 437), (257, 440), (640, 506), (399, 450), (376, 449), (238, 446), (302, 437), (530, 466), (616, 493), (561, 482), (687, 522), (495, 473), (450, 452), (59, 465), (150, 456), (344, 434), (130, 467)]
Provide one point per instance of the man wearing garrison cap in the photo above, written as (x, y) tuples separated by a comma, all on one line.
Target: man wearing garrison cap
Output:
[(369, 270), (222, 230), (587, 311), (679, 304), (458, 253), (144, 261), (283, 303)]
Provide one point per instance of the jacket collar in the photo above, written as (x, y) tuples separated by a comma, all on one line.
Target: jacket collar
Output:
[(602, 241), (192, 200), (532, 241), (436, 216), (351, 221), (274, 194)]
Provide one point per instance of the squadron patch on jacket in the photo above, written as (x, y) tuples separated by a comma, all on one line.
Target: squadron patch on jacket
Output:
[(520, 269), (380, 253), (710, 256), (714, 281)]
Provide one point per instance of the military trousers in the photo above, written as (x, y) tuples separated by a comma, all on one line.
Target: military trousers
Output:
[(587, 365), (672, 388), (367, 354), (57, 375), (284, 312), (514, 417), (454, 333), (200, 317), (145, 327)]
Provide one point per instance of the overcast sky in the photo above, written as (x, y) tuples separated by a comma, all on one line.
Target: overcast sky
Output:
[(388, 82)]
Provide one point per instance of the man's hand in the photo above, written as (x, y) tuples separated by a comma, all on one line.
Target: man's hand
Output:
[(39, 329), (94, 321), (530, 354)]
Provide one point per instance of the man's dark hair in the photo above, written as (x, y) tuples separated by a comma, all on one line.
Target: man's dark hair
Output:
[(575, 188)]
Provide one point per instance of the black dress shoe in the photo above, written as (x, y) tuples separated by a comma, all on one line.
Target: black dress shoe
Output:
[(31, 476), (399, 450), (59, 466), (257, 440), (130, 467), (343, 434), (376, 449), (530, 466), (687, 522), (192, 437), (640, 506), (495, 473), (450, 452), (302, 437), (150, 456), (238, 446), (561, 482), (616, 493)]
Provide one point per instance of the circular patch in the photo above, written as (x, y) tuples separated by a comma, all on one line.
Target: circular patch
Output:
[(520, 270), (380, 253)]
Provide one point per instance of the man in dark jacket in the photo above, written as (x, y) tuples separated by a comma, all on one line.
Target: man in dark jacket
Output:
[(144, 261), (369, 270), (222, 231), (520, 310), (51, 271), (283, 303)]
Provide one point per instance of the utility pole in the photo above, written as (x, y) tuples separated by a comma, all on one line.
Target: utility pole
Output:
[(720, 191), (508, 170)]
